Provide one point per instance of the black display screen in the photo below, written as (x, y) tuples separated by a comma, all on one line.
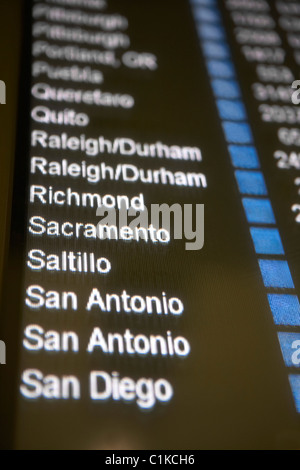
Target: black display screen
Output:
[(152, 281)]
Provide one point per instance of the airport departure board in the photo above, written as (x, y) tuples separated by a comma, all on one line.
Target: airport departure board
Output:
[(151, 288)]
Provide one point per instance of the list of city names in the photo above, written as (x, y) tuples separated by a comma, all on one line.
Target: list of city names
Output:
[(123, 329), (79, 49)]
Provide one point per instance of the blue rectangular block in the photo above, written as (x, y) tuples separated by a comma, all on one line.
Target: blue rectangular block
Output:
[(211, 32), (276, 273), (266, 241), (285, 309), (244, 156), (213, 50), (220, 68), (204, 2), (228, 89), (207, 14), (251, 182), (231, 110), (295, 386), (237, 133), (258, 211), (290, 347)]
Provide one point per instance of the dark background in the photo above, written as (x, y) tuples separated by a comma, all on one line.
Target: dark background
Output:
[(232, 390)]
